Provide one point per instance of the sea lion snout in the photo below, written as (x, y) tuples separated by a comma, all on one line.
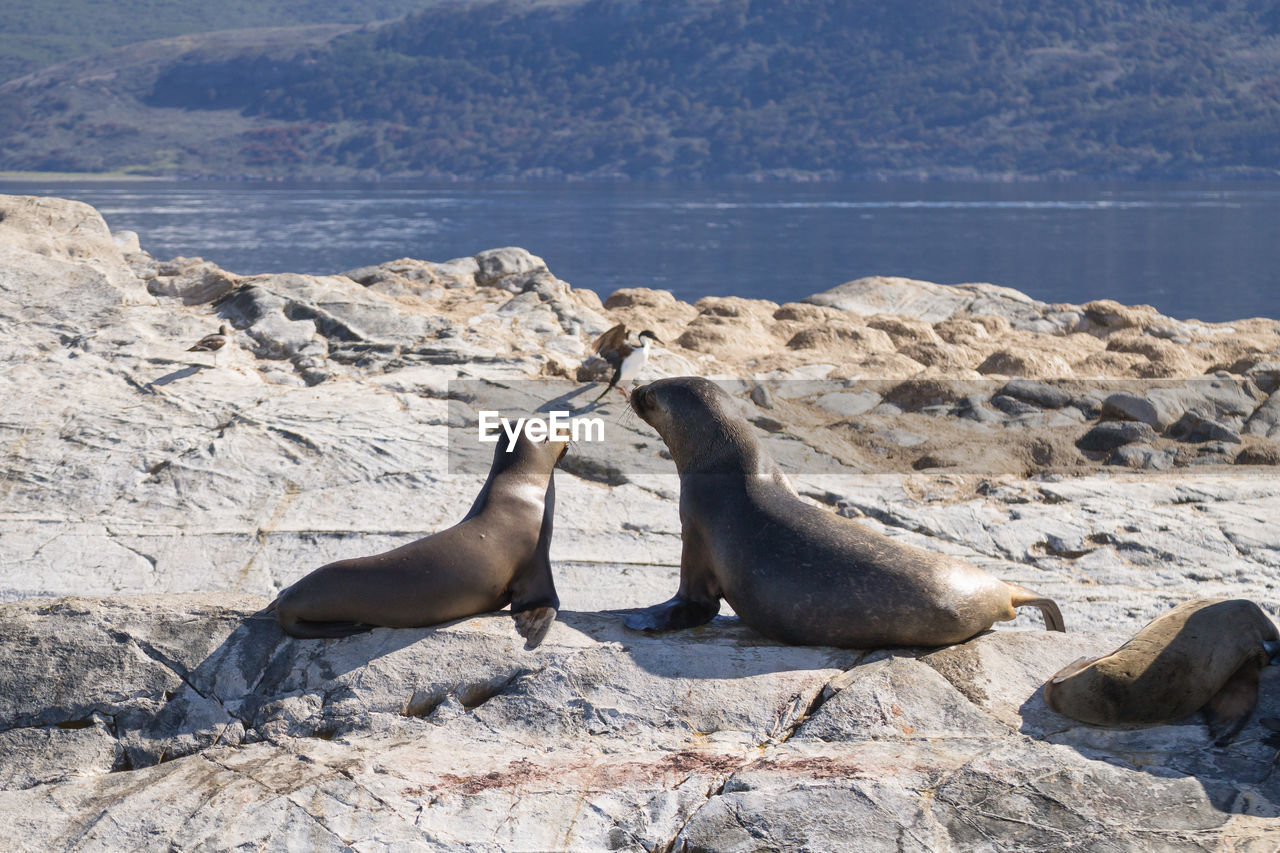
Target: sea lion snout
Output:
[(542, 452), (689, 396)]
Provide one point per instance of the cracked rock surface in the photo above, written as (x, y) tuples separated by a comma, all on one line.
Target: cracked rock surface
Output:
[(151, 502), (210, 727)]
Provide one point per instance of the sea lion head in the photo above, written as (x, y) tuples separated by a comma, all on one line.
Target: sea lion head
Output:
[(700, 424), (537, 455)]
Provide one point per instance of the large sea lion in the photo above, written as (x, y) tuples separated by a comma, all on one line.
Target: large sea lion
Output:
[(497, 555), (1202, 656), (790, 570)]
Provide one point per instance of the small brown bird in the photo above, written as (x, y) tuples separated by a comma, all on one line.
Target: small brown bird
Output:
[(213, 343), (627, 360)]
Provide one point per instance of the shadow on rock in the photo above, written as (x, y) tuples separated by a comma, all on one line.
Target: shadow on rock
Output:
[(182, 373), (724, 648), (261, 684)]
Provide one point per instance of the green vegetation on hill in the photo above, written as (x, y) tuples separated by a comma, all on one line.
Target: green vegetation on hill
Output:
[(681, 89), (36, 33), (848, 87)]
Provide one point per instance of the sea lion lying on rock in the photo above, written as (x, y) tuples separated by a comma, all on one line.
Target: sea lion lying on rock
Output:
[(1202, 655), (790, 570), (497, 555)]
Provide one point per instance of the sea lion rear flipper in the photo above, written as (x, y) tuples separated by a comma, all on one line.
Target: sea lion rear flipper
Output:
[(1230, 708), (673, 615), (534, 624), (1021, 597), (269, 610)]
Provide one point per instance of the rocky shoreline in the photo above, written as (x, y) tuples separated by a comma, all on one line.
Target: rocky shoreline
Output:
[(1115, 459)]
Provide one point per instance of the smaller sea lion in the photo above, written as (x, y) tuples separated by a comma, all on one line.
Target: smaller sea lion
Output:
[(1202, 655), (497, 555)]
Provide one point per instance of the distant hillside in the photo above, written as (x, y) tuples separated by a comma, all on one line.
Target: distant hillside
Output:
[(37, 33), (700, 89)]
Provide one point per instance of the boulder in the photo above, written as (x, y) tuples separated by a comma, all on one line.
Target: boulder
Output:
[(196, 284), (926, 301), (1220, 398), (1132, 407), (506, 268), (1109, 435), (1194, 426), (1040, 394), (1141, 456), (1265, 420)]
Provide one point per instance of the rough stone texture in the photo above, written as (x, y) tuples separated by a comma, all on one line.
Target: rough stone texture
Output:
[(224, 732), (1265, 420), (150, 503), (924, 300)]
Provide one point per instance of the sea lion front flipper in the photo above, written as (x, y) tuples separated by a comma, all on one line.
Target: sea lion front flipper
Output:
[(1230, 708), (304, 630), (534, 601), (696, 602), (1072, 668), (534, 624), (673, 615)]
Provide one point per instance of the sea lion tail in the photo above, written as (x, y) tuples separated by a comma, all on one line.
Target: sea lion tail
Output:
[(1021, 597), (267, 612)]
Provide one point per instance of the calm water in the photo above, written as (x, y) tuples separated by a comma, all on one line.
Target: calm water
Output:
[(1210, 251)]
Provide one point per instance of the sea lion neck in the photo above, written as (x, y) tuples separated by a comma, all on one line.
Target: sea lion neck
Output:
[(722, 445), (522, 474)]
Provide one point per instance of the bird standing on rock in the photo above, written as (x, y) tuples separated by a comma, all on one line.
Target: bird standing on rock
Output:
[(627, 360), (216, 341)]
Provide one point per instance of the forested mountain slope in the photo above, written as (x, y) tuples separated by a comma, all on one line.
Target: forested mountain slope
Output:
[(716, 88)]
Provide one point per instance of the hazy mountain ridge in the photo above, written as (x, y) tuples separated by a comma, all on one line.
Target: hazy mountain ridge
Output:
[(815, 88)]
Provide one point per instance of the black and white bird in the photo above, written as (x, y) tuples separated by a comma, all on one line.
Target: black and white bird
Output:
[(216, 341), (627, 360)]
